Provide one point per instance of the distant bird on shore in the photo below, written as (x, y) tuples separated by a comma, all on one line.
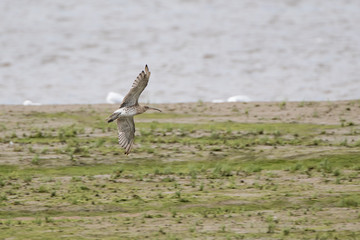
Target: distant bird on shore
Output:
[(128, 109), (30, 103), (239, 98)]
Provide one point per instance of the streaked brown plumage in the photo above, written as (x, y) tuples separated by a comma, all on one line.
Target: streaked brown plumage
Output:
[(129, 107)]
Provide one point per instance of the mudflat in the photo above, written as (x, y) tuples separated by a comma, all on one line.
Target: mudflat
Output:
[(259, 170)]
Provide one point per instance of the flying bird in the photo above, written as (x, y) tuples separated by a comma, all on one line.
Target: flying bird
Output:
[(130, 107)]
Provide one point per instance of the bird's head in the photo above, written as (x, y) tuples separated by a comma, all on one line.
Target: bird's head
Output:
[(151, 108)]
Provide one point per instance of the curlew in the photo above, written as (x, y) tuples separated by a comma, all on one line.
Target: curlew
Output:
[(130, 107)]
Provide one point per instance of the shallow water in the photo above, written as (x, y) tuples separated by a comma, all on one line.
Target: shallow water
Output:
[(78, 51)]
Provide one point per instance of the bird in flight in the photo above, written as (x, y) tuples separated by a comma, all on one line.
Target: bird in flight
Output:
[(130, 107)]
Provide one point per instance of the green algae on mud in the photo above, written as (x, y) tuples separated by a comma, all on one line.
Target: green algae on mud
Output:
[(190, 175), (147, 166)]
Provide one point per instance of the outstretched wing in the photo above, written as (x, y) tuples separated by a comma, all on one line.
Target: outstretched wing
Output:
[(126, 129), (136, 89)]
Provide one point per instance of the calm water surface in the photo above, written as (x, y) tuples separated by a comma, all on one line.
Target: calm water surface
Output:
[(77, 51)]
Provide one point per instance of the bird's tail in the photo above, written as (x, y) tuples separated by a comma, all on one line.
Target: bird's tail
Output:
[(112, 117)]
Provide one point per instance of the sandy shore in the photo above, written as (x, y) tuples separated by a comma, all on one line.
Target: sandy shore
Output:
[(27, 120), (327, 112), (260, 170)]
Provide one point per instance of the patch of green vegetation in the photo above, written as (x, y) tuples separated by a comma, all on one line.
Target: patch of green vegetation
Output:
[(350, 201), (227, 167)]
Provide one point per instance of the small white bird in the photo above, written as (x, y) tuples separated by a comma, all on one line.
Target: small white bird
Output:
[(217, 101), (239, 98), (30, 103)]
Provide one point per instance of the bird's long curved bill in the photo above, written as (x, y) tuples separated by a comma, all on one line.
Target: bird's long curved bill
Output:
[(155, 109)]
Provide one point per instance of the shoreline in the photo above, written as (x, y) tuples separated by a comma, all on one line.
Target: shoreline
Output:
[(196, 102), (321, 112)]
